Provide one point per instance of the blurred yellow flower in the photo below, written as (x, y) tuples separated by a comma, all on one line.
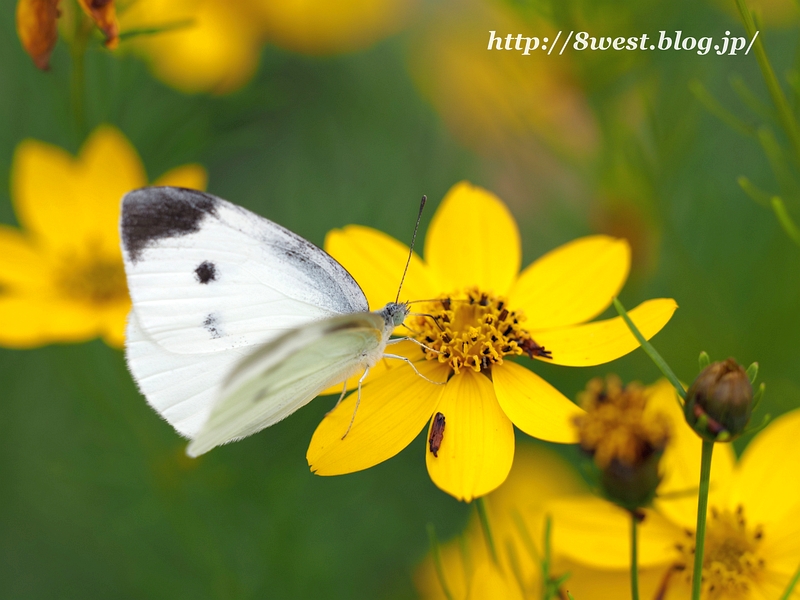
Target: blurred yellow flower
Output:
[(494, 100), (214, 45), (38, 31), (752, 543), (314, 27), (61, 276), (517, 519), (474, 304), (200, 45)]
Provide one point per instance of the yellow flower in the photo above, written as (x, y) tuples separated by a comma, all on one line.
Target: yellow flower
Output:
[(61, 277), (203, 45), (480, 311), (315, 27), (497, 101), (214, 45), (753, 533), (517, 520)]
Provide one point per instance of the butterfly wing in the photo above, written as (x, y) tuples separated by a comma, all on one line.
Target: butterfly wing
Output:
[(180, 387), (206, 275), (287, 373), (209, 282)]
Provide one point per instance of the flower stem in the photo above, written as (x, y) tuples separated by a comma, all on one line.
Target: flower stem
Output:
[(785, 114), (77, 79), (437, 561), (634, 557), (650, 350), (483, 516), (702, 509), (76, 84), (790, 588)]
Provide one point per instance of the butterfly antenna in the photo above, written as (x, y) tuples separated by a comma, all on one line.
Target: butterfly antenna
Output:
[(411, 249)]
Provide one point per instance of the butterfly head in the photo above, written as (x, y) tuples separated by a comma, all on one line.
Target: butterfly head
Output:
[(395, 313)]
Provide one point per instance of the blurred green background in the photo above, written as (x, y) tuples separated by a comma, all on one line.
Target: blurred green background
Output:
[(97, 498)]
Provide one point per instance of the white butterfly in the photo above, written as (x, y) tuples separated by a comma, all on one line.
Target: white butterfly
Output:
[(236, 321)]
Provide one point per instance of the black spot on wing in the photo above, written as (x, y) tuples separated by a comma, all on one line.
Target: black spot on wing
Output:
[(150, 214), (206, 272), (212, 325)]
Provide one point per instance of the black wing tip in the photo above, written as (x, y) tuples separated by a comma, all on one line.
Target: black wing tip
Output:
[(152, 213)]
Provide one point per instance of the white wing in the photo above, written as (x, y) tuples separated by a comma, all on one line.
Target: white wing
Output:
[(287, 373), (180, 387), (206, 275)]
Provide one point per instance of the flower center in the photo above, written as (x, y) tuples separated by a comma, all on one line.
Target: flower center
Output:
[(96, 280), (616, 425), (732, 562), (473, 330)]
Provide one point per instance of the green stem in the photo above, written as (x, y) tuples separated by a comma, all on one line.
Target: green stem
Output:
[(785, 114), (650, 350), (790, 588), (77, 80), (77, 84), (702, 509), (483, 516), (437, 561), (634, 557), (779, 208)]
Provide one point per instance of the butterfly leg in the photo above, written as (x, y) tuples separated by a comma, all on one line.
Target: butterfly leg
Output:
[(341, 397), (413, 366), (410, 339), (358, 401)]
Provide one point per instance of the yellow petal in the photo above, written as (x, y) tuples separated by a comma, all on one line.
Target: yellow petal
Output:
[(603, 341), (32, 321), (477, 447), (392, 412), (108, 167), (573, 283), (21, 266), (42, 188), (489, 581), (593, 584), (535, 406), (517, 508), (680, 464), (457, 573), (68, 202), (473, 241), (781, 542), (405, 348), (104, 15), (376, 261), (191, 176), (595, 532), (37, 29), (767, 480), (115, 319)]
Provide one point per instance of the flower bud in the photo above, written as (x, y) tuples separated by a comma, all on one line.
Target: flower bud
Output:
[(720, 401), (624, 439)]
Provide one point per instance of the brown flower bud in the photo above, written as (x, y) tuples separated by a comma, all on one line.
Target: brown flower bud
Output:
[(37, 29), (104, 15), (624, 439), (720, 401)]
